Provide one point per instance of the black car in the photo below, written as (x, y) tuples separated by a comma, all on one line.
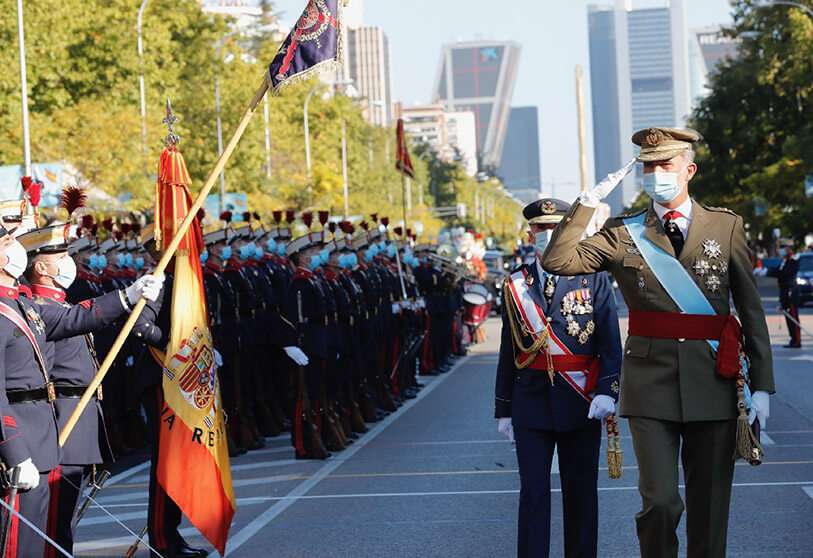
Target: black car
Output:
[(804, 279)]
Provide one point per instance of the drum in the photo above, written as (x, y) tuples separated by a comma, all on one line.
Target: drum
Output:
[(476, 294)]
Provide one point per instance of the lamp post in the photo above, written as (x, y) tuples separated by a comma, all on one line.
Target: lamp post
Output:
[(346, 186), (141, 89), (24, 90), (772, 3)]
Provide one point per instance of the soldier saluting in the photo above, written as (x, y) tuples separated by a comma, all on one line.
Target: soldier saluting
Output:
[(678, 263), (557, 379)]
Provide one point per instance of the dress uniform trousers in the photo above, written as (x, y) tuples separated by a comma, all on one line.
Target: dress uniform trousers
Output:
[(578, 452), (708, 468), (66, 484), (32, 505)]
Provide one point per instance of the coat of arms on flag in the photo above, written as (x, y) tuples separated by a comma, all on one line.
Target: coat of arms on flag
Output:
[(313, 44)]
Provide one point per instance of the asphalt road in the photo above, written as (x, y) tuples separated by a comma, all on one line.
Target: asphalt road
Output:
[(436, 480)]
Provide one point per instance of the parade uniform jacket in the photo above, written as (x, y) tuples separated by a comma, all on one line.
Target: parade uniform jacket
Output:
[(673, 379), (527, 395), (313, 329), (29, 429)]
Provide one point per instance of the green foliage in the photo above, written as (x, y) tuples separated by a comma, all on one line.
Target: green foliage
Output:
[(757, 122), (83, 78)]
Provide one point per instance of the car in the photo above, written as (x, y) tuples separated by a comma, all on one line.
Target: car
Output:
[(804, 279)]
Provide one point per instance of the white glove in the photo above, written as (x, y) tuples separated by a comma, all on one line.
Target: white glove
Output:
[(593, 197), (147, 286), (504, 426), (296, 355), (29, 475), (601, 407), (760, 408)]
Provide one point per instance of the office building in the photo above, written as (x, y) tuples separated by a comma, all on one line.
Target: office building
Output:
[(639, 77), (519, 169), (451, 135), (479, 77), (367, 65), (708, 48)]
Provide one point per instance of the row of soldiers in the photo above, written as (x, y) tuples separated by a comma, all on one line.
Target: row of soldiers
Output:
[(319, 335)]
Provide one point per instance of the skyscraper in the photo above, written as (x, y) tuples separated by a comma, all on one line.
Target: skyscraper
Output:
[(479, 77), (519, 169), (639, 77), (367, 64)]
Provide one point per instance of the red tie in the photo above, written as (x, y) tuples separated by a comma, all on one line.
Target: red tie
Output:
[(671, 215)]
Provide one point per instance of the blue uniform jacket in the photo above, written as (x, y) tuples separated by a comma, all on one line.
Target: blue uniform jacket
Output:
[(527, 396)]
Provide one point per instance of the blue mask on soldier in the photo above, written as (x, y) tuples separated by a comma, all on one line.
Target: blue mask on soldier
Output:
[(225, 253), (121, 260), (315, 262), (258, 253), (280, 249), (324, 255), (93, 262), (271, 245), (204, 257), (129, 260), (354, 260), (102, 262), (391, 249), (139, 263), (245, 252)]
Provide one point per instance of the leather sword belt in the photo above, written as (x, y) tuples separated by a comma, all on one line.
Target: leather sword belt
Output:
[(50, 392), (673, 325)]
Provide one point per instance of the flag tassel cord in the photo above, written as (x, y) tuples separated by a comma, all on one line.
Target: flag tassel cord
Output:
[(165, 259)]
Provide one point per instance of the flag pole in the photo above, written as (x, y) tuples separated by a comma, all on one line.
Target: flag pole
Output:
[(165, 259)]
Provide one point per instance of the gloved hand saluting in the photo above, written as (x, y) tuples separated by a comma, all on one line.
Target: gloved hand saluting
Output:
[(601, 407), (29, 475), (147, 286), (296, 355), (504, 426), (593, 197)]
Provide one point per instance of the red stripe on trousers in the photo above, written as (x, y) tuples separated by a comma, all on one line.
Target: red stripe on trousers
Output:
[(54, 482), (14, 530)]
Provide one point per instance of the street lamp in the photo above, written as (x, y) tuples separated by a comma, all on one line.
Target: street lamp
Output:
[(139, 22), (24, 90), (772, 3)]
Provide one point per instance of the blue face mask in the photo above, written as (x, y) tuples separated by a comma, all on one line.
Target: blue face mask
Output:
[(130, 261), (271, 245), (314, 263), (102, 262), (93, 262), (382, 245), (391, 249), (369, 255), (121, 260), (245, 252), (139, 263), (662, 187), (324, 255), (280, 249), (204, 257), (258, 253), (354, 260), (225, 253)]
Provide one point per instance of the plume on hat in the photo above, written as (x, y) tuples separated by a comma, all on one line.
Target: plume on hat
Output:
[(374, 217), (201, 214), (332, 227), (307, 218), (323, 217), (365, 225), (247, 216), (290, 216), (73, 198), (107, 224), (385, 221), (346, 226), (277, 216), (398, 230), (226, 216)]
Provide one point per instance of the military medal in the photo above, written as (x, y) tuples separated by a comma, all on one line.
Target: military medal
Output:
[(641, 283), (584, 282), (711, 248), (529, 280), (713, 283), (701, 267), (550, 287), (39, 325)]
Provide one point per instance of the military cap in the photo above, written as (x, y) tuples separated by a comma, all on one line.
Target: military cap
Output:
[(661, 144), (48, 240), (310, 240), (547, 211), (81, 245), (147, 234), (107, 245), (360, 241)]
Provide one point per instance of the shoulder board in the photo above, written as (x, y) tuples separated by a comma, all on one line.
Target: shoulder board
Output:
[(718, 209), (632, 213)]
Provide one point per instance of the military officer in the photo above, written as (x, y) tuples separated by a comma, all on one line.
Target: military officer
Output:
[(789, 295), (29, 429), (557, 378), (678, 263)]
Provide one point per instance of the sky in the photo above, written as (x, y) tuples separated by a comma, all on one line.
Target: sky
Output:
[(553, 35)]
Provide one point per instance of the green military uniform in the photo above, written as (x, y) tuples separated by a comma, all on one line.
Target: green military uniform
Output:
[(669, 388)]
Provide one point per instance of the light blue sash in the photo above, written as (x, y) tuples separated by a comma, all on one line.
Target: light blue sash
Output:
[(673, 277)]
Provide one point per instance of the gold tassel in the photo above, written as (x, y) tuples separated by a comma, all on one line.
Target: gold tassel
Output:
[(615, 456), (748, 446)]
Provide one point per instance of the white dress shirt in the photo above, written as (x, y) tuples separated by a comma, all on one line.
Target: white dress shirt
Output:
[(685, 209)]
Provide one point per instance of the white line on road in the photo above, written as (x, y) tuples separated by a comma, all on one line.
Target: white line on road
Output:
[(246, 533), (119, 542), (127, 473), (765, 440), (808, 490)]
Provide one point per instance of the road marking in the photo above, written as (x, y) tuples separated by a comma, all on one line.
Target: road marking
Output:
[(117, 542), (242, 536), (808, 490), (765, 440), (502, 441), (127, 473), (252, 453), (802, 357)]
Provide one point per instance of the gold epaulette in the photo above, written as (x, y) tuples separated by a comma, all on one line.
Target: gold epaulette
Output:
[(719, 209)]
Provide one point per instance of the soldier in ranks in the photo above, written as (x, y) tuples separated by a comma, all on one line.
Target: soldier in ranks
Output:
[(426, 278), (678, 264), (29, 430), (223, 323), (557, 379)]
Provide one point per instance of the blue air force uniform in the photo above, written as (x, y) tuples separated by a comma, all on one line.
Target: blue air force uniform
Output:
[(549, 416)]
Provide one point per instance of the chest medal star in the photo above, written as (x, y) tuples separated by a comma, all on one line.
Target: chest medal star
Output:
[(711, 248)]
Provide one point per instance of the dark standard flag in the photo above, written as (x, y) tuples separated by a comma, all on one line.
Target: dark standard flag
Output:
[(403, 162), (312, 45)]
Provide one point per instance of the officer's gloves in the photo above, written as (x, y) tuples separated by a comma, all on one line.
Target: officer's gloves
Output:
[(296, 355), (601, 407), (147, 286), (591, 198), (760, 408), (504, 426), (29, 475)]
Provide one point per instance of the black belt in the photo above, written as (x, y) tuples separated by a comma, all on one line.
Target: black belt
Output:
[(49, 392)]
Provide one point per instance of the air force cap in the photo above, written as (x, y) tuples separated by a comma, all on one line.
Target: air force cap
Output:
[(547, 211)]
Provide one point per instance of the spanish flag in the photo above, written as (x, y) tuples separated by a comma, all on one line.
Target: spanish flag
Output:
[(193, 457)]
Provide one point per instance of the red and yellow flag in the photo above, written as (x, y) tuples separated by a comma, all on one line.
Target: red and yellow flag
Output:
[(193, 457)]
